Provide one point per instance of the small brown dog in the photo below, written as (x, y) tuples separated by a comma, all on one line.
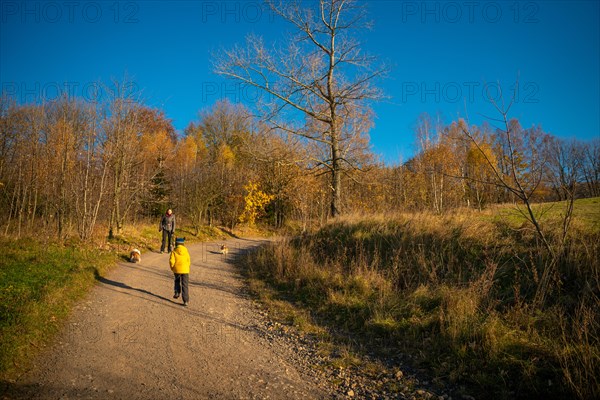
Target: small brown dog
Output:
[(224, 249), (135, 256)]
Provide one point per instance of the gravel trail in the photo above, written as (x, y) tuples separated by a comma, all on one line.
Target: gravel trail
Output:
[(129, 339)]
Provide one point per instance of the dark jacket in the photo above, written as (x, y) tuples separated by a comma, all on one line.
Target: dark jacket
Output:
[(167, 223)]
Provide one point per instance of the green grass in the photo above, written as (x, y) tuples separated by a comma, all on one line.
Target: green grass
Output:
[(586, 211), (39, 283)]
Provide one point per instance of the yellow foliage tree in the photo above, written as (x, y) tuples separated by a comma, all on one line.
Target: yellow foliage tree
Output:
[(255, 202), (480, 164), (226, 156)]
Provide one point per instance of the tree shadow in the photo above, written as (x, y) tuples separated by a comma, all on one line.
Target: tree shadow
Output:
[(163, 273), (122, 285), (218, 287), (197, 313)]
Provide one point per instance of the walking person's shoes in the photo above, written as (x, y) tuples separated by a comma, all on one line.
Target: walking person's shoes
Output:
[(185, 303), (176, 296)]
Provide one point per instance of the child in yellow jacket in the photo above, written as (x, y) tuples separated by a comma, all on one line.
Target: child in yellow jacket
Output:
[(180, 265)]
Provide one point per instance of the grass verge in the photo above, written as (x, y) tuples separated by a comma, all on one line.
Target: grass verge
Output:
[(39, 284)]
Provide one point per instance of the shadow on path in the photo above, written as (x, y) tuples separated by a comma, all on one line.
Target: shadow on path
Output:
[(163, 273), (219, 287), (122, 285), (198, 313)]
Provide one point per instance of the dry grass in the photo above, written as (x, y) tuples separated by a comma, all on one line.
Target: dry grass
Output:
[(459, 292)]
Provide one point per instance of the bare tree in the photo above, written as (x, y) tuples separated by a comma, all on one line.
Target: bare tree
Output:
[(64, 127), (225, 124), (565, 167), (7, 132), (21, 159), (525, 159), (320, 75), (121, 128), (90, 174), (591, 167)]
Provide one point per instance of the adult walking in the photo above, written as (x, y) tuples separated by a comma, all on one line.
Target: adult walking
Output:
[(167, 227)]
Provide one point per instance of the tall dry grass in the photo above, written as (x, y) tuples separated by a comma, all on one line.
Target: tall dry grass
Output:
[(460, 291)]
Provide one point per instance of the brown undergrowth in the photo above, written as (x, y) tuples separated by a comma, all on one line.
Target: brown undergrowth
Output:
[(457, 292)]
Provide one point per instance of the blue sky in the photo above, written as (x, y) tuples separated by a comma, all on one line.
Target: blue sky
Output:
[(447, 57)]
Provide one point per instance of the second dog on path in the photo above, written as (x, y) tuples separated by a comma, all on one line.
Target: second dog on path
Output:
[(224, 249)]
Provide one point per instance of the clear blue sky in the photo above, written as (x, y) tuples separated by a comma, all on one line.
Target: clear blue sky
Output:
[(447, 57)]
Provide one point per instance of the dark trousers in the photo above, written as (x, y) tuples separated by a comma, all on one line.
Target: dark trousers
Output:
[(181, 286), (166, 235)]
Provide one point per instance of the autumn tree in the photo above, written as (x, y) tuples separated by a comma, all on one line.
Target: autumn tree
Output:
[(397, 186), (91, 172), (479, 164), (225, 125), (437, 167), (319, 74), (157, 141), (8, 133), (279, 164), (523, 160), (21, 163), (222, 166), (255, 202), (138, 140), (47, 174), (65, 123), (195, 187)]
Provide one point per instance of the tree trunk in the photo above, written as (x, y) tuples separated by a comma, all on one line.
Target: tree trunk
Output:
[(336, 178)]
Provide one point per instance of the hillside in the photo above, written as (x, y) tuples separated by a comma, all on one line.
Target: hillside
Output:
[(458, 294)]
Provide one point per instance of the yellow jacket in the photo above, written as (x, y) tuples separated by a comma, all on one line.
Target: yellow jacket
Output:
[(180, 260)]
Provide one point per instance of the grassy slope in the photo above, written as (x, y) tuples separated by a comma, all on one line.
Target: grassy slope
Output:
[(586, 212), (454, 291)]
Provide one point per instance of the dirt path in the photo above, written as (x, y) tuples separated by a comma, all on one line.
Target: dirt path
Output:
[(129, 339)]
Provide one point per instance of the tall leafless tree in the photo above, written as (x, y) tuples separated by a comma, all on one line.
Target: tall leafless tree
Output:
[(591, 167), (320, 74), (91, 174)]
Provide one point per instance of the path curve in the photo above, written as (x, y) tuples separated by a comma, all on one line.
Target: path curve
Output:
[(129, 339)]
